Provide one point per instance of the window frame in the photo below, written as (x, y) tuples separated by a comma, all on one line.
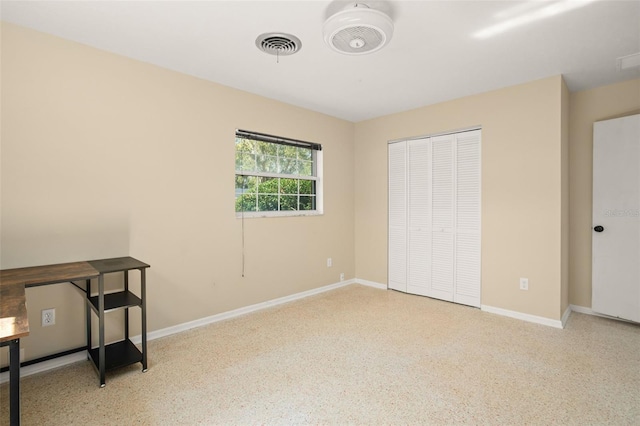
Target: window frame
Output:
[(316, 177)]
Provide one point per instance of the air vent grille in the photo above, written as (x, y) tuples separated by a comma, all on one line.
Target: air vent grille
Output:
[(278, 44)]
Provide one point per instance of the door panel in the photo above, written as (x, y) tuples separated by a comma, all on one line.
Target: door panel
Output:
[(419, 279), (468, 269), (442, 266), (468, 185), (397, 239), (419, 213), (616, 208)]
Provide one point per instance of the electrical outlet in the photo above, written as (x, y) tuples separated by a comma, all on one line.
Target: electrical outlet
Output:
[(329, 262), (342, 276), (48, 317), (524, 283)]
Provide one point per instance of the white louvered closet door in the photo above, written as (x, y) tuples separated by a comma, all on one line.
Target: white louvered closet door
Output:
[(442, 242), (397, 239), (434, 217), (419, 216), (467, 217)]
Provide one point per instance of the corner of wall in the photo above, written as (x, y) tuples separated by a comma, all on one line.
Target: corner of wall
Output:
[(564, 166)]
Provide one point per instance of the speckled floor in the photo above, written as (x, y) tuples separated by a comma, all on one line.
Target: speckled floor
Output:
[(358, 355)]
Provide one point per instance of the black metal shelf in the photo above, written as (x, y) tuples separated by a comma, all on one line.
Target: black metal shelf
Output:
[(117, 355), (124, 352), (118, 300)]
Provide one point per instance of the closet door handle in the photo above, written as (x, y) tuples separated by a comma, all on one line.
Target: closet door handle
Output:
[(599, 228)]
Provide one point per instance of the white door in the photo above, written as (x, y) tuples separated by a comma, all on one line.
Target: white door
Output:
[(419, 216), (616, 218), (442, 223), (397, 239), (467, 201), (455, 244)]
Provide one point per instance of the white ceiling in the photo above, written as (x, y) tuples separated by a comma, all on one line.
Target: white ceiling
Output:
[(432, 57)]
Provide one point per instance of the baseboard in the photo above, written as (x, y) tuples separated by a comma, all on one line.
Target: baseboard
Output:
[(524, 317), (253, 308), (565, 316), (47, 365), (585, 310), (589, 311), (81, 356), (239, 312), (371, 284)]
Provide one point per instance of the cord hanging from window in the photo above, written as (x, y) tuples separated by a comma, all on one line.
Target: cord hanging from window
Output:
[(244, 188)]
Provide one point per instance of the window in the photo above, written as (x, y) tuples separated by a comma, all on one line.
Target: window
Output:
[(277, 176)]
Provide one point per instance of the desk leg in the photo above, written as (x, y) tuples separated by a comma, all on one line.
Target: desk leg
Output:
[(101, 350), (14, 382), (143, 294)]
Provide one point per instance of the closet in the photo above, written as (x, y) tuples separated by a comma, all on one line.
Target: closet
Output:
[(434, 216)]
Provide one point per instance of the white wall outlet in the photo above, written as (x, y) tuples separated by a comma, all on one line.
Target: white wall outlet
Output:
[(329, 262), (48, 317), (524, 283), (342, 276)]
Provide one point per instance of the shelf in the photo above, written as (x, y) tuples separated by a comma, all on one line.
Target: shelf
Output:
[(119, 300), (105, 266), (124, 352), (117, 355)]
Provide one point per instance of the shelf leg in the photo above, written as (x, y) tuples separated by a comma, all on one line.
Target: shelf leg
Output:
[(88, 313), (126, 310), (143, 294), (101, 349)]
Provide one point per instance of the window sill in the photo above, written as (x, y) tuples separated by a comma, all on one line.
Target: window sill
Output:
[(252, 215)]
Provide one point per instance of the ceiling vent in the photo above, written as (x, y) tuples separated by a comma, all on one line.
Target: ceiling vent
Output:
[(358, 30), (278, 44)]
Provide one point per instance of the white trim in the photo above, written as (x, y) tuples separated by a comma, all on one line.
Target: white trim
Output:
[(279, 213), (448, 132), (47, 365), (81, 356), (589, 311), (276, 175), (522, 316), (239, 312), (584, 310), (565, 316), (371, 284)]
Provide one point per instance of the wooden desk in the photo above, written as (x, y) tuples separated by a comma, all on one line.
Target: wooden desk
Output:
[(14, 323), (49, 274)]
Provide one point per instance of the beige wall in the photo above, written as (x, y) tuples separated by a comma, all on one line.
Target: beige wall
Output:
[(106, 156), (588, 106), (521, 190)]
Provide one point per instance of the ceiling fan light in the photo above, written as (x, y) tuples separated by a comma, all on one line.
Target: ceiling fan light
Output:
[(358, 30)]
